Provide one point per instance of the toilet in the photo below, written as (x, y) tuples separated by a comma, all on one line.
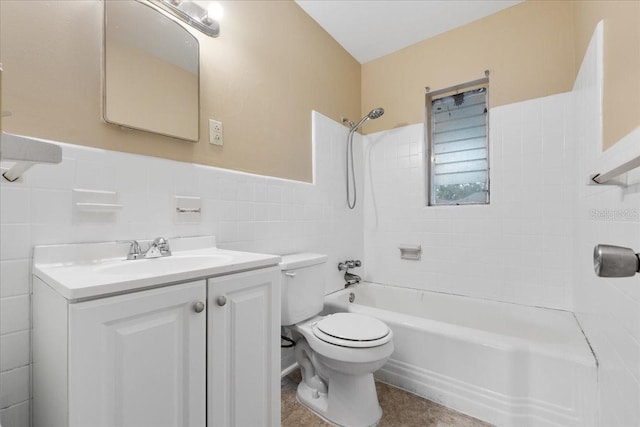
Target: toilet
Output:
[(337, 353)]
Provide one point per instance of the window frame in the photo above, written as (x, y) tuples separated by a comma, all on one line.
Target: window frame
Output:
[(430, 157)]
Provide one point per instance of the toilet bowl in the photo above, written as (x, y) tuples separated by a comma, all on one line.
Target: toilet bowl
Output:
[(337, 353), (347, 396)]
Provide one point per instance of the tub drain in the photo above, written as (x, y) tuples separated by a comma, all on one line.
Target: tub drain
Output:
[(352, 297)]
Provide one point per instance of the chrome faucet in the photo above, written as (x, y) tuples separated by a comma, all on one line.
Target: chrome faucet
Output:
[(134, 250), (350, 278), (159, 248)]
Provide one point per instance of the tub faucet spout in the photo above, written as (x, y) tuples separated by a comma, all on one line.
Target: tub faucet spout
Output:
[(351, 279)]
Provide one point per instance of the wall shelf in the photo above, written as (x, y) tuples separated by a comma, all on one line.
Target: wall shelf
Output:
[(98, 207), (95, 201), (410, 252)]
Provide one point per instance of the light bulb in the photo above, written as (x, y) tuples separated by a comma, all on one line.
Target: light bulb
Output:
[(215, 11)]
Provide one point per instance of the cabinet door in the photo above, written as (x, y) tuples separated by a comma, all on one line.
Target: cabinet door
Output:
[(244, 350), (138, 360)]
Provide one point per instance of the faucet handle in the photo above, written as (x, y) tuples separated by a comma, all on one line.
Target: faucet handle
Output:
[(162, 244), (134, 250), (160, 241)]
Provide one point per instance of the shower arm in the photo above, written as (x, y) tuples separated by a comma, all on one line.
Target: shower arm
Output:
[(360, 123)]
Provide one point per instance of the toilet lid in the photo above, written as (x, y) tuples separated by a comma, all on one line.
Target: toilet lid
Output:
[(351, 327)]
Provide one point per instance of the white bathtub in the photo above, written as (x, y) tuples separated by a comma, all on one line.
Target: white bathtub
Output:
[(507, 364)]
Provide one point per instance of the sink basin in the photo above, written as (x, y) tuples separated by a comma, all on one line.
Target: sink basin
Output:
[(80, 271), (164, 265)]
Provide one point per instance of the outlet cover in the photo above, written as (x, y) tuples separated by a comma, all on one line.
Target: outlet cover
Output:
[(215, 132)]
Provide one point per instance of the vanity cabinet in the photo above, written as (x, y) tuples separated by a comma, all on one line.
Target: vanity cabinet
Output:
[(243, 347), (141, 359), (134, 360), (142, 356)]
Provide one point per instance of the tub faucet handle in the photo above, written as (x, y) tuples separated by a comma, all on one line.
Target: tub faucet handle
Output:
[(344, 266), (350, 278)]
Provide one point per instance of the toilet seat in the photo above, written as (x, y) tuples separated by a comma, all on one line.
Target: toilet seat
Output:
[(352, 330)]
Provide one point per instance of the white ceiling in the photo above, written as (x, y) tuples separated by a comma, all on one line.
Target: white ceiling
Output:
[(369, 29)]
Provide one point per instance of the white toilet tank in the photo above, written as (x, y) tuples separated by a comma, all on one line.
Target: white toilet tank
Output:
[(303, 278)]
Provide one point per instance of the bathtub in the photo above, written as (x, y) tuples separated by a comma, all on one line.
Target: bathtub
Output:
[(507, 364)]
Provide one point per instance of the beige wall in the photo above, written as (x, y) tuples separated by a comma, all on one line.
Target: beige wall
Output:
[(528, 48), (257, 77), (621, 103), (532, 49), (263, 83)]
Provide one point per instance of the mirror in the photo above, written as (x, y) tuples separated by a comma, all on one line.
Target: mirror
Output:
[(151, 71)]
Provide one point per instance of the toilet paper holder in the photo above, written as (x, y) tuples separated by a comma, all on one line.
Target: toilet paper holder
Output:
[(615, 261)]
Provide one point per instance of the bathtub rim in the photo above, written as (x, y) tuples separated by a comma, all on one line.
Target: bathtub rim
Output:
[(336, 301)]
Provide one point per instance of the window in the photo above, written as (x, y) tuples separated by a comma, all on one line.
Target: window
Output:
[(458, 145)]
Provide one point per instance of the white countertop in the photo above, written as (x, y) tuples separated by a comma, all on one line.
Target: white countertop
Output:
[(89, 270)]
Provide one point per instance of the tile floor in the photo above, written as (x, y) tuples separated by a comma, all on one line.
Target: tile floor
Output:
[(399, 409)]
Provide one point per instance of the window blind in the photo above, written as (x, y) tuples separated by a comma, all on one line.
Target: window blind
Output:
[(459, 148)]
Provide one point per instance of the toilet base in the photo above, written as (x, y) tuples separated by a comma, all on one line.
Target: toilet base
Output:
[(351, 401)]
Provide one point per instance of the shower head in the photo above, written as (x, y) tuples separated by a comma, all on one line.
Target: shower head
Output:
[(373, 114)]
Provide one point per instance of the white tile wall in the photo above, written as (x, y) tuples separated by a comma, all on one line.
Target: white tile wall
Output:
[(608, 309), (246, 212), (14, 386), (14, 350), (14, 314), (16, 415), (516, 249)]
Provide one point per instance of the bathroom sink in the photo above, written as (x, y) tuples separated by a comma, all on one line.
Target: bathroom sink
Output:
[(153, 266), (88, 270)]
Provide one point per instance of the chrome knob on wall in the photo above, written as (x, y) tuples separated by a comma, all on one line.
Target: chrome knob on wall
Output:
[(343, 266), (615, 261)]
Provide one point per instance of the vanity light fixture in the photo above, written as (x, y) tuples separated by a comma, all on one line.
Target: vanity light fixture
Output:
[(205, 19)]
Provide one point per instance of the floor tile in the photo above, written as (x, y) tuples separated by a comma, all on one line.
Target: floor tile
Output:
[(399, 409)]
